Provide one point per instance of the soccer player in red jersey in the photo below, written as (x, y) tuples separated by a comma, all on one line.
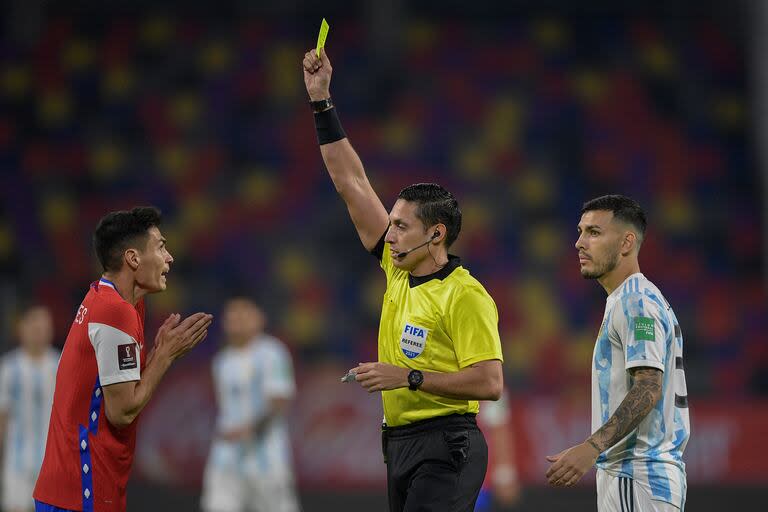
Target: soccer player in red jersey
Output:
[(105, 375)]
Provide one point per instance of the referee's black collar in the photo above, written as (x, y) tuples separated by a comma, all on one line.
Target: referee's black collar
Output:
[(454, 262)]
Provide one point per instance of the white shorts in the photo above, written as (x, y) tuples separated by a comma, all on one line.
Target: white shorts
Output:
[(17, 490), (228, 491), (622, 494)]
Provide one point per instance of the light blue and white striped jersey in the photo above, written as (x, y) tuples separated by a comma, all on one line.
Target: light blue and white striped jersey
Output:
[(26, 396), (245, 379), (640, 330)]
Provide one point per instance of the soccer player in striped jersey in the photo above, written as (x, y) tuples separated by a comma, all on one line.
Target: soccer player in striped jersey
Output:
[(640, 423), (27, 377), (249, 467)]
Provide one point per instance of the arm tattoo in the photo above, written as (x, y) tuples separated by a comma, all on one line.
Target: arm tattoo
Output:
[(641, 398)]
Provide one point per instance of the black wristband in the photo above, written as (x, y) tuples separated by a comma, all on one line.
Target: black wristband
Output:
[(328, 126)]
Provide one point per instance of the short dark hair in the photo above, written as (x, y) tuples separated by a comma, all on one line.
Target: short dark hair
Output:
[(25, 305), (117, 231), (435, 206), (242, 294), (624, 208)]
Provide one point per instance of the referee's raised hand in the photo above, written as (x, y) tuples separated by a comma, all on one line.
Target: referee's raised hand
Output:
[(317, 75)]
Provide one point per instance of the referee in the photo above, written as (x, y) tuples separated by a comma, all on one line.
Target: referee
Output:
[(439, 347)]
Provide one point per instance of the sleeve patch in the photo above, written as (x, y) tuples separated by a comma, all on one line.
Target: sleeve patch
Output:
[(644, 328), (117, 354), (126, 356)]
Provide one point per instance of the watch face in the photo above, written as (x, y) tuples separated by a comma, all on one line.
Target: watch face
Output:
[(321, 105), (415, 378)]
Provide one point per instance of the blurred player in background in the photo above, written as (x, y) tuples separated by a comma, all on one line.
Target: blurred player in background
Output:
[(501, 488), (439, 346), (249, 467), (27, 379), (640, 418), (105, 376)]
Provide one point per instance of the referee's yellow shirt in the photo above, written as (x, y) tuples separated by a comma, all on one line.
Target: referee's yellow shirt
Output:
[(439, 323)]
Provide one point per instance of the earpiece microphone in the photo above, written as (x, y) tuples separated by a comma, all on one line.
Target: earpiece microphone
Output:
[(403, 254)]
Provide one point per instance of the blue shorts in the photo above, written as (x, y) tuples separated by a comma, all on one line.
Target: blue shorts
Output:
[(44, 507)]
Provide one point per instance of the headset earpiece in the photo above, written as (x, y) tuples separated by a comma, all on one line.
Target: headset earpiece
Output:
[(406, 253)]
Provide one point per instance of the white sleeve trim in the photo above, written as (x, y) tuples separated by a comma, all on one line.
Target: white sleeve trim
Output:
[(107, 341), (646, 362)]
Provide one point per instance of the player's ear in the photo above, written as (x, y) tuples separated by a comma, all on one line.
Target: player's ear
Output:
[(132, 258), (629, 243)]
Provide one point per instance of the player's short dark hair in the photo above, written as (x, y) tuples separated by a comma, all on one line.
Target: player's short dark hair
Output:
[(435, 206), (118, 231), (241, 296), (624, 208), (25, 305)]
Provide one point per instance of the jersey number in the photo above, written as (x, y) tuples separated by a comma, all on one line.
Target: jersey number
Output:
[(681, 389)]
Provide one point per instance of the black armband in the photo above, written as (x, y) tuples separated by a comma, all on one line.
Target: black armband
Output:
[(328, 126)]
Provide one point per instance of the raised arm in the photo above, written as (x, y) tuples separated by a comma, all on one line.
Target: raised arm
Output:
[(344, 166)]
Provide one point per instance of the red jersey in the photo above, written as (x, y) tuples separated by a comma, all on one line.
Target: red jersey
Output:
[(87, 460)]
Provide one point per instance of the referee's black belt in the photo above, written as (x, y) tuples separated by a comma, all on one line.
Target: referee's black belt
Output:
[(430, 425)]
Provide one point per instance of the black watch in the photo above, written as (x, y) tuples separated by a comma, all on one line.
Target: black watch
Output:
[(415, 379), (321, 105)]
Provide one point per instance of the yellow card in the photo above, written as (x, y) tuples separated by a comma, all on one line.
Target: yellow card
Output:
[(322, 35)]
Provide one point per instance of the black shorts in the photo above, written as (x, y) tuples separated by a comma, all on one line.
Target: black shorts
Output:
[(435, 465)]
